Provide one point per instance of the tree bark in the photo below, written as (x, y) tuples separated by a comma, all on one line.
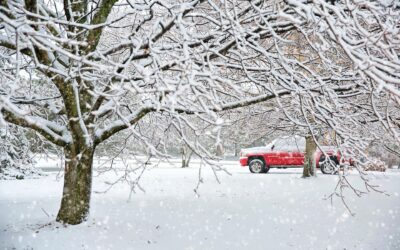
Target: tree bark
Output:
[(75, 201), (186, 155), (309, 168), (219, 151), (183, 153), (237, 149)]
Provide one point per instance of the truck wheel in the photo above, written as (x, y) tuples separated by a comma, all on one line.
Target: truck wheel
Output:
[(257, 166), (328, 167)]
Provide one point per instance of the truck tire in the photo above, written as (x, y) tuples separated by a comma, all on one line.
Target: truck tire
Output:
[(257, 166), (328, 167)]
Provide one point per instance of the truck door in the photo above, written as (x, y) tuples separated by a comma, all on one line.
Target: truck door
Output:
[(281, 155), (294, 146)]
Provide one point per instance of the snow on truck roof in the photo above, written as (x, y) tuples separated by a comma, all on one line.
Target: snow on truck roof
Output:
[(285, 143)]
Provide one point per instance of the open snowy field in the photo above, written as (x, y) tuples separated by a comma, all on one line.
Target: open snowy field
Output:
[(278, 210)]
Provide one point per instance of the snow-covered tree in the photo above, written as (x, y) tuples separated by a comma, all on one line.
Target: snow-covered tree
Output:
[(113, 65), (15, 154)]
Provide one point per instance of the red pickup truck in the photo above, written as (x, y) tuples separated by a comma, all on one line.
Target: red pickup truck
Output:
[(287, 152)]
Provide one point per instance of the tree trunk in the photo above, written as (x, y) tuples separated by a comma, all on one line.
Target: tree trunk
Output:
[(186, 155), (309, 168), (75, 201), (183, 153), (237, 150), (219, 150)]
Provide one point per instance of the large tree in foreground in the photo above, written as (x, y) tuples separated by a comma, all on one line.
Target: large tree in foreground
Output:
[(81, 73), (78, 72)]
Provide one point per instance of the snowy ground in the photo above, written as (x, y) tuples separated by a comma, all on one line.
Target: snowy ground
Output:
[(278, 210)]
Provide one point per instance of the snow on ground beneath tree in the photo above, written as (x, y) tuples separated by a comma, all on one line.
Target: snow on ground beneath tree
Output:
[(278, 210)]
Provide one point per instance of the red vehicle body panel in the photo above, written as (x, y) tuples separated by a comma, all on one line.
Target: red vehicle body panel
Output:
[(243, 161)]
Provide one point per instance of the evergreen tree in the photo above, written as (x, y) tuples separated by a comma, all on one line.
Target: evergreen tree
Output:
[(15, 155)]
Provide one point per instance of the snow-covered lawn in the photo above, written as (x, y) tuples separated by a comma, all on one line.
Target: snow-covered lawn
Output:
[(278, 210)]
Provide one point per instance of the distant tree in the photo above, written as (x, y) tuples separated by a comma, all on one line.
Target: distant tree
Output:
[(15, 154), (187, 154)]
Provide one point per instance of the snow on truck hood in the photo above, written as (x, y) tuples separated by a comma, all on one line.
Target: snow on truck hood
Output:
[(266, 148), (255, 150)]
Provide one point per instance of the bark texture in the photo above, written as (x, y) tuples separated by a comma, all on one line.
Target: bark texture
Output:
[(309, 168), (75, 201), (186, 156)]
